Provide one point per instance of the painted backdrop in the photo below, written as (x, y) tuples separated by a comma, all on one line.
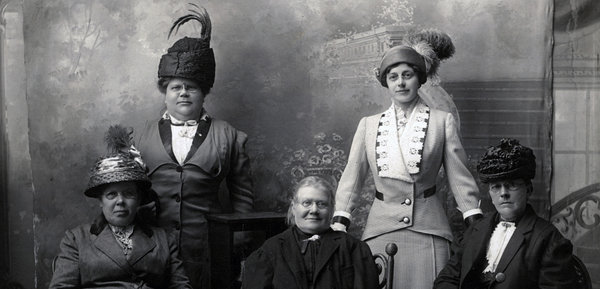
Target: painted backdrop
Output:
[(292, 74)]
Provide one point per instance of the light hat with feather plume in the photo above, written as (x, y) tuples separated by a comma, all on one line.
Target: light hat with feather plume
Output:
[(190, 58), (424, 50), (123, 163)]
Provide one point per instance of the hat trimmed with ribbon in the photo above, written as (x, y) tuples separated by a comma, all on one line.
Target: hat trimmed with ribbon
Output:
[(424, 50), (122, 164), (401, 54), (508, 160)]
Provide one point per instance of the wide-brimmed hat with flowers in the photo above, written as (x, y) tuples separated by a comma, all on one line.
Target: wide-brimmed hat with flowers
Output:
[(123, 163)]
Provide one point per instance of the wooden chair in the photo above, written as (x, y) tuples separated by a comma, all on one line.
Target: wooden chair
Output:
[(385, 266), (583, 277)]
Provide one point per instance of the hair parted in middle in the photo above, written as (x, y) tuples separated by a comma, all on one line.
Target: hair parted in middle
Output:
[(310, 181)]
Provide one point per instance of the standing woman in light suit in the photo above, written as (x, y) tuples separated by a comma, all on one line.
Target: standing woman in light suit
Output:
[(405, 147)]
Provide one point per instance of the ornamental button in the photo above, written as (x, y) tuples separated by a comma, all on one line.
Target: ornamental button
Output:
[(406, 220), (179, 169), (177, 198), (407, 202), (500, 277)]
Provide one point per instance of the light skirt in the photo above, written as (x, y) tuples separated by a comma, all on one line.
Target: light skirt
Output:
[(419, 259)]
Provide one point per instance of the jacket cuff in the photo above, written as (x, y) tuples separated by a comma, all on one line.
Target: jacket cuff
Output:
[(342, 214), (472, 212)]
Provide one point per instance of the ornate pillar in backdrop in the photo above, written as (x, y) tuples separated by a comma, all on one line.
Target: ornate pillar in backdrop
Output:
[(4, 256)]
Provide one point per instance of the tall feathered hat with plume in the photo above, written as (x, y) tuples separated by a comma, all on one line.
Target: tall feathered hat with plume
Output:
[(425, 50), (190, 58), (123, 163)]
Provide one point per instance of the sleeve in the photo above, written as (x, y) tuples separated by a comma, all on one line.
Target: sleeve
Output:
[(239, 180), (365, 276), (556, 266), (462, 183), (258, 271), (177, 273), (449, 277), (354, 175), (66, 264)]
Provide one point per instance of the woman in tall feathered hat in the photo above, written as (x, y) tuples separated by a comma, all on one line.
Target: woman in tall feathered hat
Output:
[(189, 153), (119, 249), (404, 147)]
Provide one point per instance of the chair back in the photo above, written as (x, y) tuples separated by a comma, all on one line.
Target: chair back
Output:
[(385, 266), (583, 277)]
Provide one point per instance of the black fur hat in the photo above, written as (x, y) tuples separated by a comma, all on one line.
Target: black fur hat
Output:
[(191, 58), (507, 160)]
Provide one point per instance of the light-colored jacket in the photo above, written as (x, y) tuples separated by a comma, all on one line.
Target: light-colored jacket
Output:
[(89, 260), (404, 204)]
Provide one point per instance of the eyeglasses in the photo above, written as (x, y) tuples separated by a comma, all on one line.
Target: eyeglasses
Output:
[(510, 185), (406, 75), (309, 203)]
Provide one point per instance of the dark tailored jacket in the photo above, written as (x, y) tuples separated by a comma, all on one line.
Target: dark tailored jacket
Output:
[(187, 192), (87, 260), (342, 262), (537, 256)]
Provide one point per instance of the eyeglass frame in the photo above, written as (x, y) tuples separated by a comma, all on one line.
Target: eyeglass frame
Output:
[(510, 185)]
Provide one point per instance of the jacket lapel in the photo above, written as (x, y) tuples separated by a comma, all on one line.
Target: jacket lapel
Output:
[(142, 245), (480, 238), (524, 226), (329, 245), (294, 259), (164, 129), (381, 134), (107, 244), (412, 139), (201, 133)]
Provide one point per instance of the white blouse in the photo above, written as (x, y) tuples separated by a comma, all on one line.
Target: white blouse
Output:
[(498, 242)]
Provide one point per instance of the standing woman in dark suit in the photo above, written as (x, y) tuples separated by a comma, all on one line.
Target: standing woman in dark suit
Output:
[(404, 148), (190, 153)]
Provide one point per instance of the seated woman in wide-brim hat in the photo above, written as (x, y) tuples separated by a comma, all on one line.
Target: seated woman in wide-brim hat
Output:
[(118, 249)]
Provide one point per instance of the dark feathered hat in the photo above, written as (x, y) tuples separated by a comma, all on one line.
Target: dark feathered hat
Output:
[(507, 160), (424, 49), (191, 58), (123, 163)]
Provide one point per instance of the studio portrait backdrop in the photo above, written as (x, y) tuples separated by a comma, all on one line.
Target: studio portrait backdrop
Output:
[(296, 76)]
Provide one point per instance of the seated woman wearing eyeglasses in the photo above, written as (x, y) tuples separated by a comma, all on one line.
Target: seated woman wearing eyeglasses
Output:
[(309, 254), (513, 247)]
